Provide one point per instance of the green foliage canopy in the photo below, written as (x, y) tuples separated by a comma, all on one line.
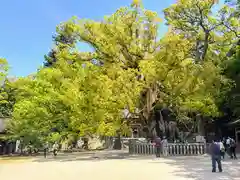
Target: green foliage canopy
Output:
[(73, 95)]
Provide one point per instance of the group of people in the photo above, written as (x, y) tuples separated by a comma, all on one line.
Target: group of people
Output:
[(54, 149), (228, 146), (161, 145), (218, 149)]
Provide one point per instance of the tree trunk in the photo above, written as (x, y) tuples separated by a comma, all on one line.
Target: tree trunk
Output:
[(117, 143), (152, 129), (201, 124), (162, 124)]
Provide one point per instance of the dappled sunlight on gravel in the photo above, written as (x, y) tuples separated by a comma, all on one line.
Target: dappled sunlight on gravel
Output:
[(92, 167)]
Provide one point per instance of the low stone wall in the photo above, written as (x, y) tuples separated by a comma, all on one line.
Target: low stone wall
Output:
[(173, 149)]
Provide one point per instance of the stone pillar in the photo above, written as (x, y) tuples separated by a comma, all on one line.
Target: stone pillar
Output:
[(201, 124), (17, 146), (132, 144)]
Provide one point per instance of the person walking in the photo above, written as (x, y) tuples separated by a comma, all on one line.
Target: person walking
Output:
[(222, 149), (45, 149), (228, 149), (215, 156), (233, 149), (165, 146), (55, 149), (29, 148), (158, 146)]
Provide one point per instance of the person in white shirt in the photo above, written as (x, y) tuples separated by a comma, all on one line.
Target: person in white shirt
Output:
[(165, 146), (228, 142), (222, 149), (55, 148)]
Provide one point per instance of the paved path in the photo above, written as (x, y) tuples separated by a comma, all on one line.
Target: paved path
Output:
[(118, 166)]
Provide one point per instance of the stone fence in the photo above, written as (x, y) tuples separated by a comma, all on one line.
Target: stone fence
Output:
[(173, 149)]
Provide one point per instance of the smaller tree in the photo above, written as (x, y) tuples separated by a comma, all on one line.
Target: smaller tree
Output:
[(71, 99), (6, 92)]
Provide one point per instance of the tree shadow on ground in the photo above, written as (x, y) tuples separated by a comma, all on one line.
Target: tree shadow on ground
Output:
[(193, 167), (90, 156), (199, 168)]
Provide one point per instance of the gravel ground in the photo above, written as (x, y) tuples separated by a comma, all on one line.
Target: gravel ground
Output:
[(115, 165)]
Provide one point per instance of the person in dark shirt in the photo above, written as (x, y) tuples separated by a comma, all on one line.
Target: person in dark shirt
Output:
[(233, 149), (45, 149), (157, 142), (215, 156)]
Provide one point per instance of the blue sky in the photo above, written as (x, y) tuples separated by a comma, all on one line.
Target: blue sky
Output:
[(27, 26)]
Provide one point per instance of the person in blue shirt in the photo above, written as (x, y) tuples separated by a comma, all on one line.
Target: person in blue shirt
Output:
[(215, 152)]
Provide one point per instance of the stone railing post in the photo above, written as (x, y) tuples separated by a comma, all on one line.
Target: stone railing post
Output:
[(173, 149)]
